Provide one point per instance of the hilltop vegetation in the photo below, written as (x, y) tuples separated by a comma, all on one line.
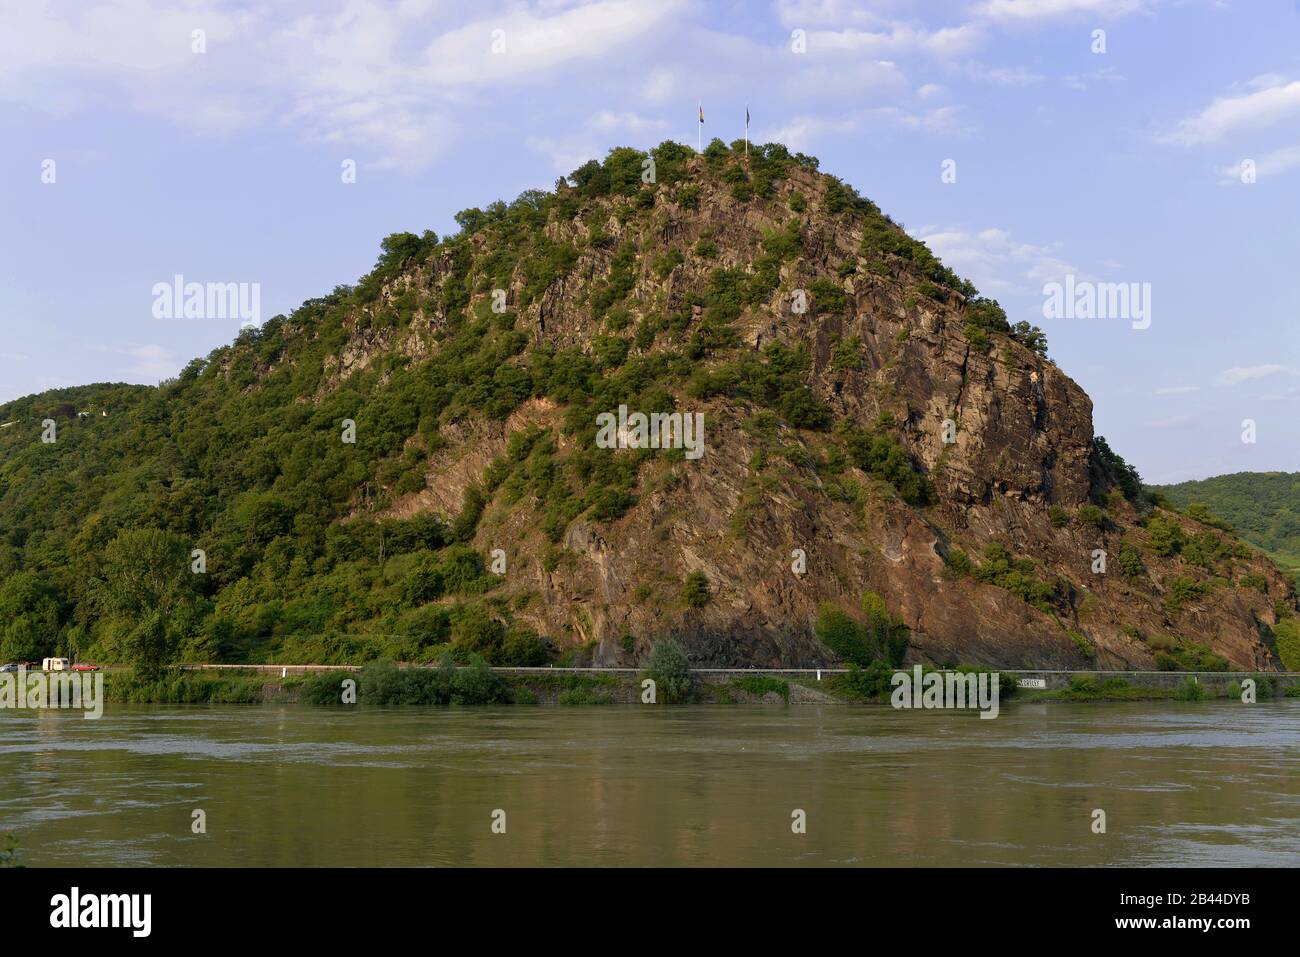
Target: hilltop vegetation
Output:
[(407, 467), (1263, 508)]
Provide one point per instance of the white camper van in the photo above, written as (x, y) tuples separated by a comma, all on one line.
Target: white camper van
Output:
[(55, 664)]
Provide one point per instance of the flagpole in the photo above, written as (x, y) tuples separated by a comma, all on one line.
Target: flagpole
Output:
[(699, 131), (746, 131)]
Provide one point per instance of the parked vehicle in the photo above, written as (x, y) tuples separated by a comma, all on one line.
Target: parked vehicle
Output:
[(85, 667), (55, 664), (6, 669)]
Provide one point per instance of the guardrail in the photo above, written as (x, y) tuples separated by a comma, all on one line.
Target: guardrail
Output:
[(307, 669)]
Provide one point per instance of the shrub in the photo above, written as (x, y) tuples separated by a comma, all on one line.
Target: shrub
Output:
[(1016, 575), (888, 634), (869, 683), (1286, 634), (1092, 515), (1181, 590), (666, 262), (1126, 476), (827, 296), (881, 638), (1130, 560), (325, 687), (847, 354), (579, 697), (881, 454), (802, 410), (479, 684), (760, 685), (695, 591), (843, 635), (1167, 536), (522, 648), (1180, 655), (383, 683), (1083, 643), (671, 671), (475, 632), (959, 562), (1255, 581)]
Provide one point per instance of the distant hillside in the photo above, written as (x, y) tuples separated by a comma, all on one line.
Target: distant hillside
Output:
[(1263, 507)]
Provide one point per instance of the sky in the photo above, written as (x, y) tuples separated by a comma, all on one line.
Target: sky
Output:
[(1148, 142)]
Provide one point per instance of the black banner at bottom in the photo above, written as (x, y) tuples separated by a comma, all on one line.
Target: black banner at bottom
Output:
[(943, 907)]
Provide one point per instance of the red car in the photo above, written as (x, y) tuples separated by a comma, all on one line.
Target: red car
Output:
[(85, 667)]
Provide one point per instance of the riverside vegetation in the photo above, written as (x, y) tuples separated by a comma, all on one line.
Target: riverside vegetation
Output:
[(382, 683), (830, 352)]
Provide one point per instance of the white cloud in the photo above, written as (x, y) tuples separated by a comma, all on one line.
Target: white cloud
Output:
[(566, 153), (806, 13), (1023, 11), (1177, 422), (1259, 109), (898, 39), (609, 120), (1002, 76), (533, 44), (994, 261), (803, 132), (823, 77), (150, 362), (1270, 164), (1081, 81), (1239, 374), (393, 81)]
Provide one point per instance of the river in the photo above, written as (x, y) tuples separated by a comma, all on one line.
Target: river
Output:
[(1180, 783)]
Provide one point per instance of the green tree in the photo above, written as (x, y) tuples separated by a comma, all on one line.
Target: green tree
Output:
[(29, 618), (671, 671), (147, 594)]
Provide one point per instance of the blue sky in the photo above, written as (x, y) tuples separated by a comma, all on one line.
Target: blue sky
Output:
[(1115, 166)]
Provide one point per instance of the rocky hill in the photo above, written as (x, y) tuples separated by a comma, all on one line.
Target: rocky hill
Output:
[(889, 468)]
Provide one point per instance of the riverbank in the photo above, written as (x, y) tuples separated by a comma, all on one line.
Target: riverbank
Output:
[(386, 684)]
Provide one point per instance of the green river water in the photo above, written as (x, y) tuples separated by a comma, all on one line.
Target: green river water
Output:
[(1181, 784)]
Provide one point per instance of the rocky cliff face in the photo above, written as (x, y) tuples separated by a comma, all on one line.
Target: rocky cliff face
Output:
[(1004, 438)]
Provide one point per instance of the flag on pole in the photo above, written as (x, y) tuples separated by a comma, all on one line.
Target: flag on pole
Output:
[(747, 129), (699, 132)]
